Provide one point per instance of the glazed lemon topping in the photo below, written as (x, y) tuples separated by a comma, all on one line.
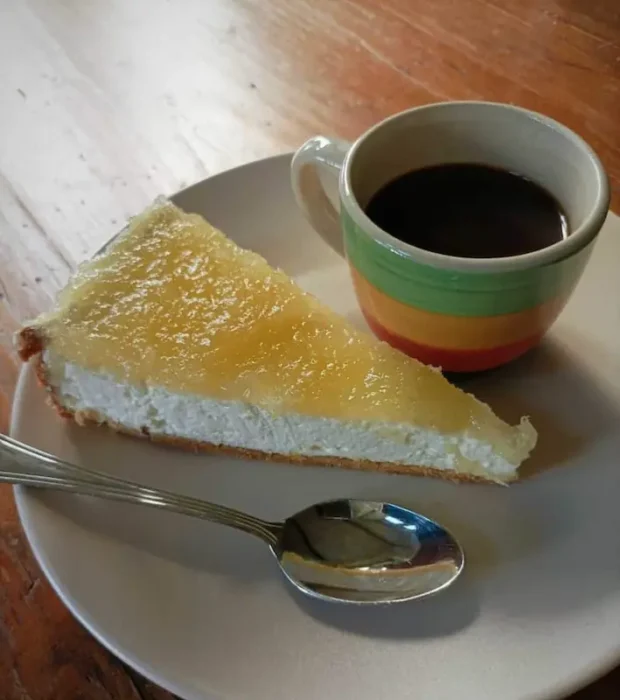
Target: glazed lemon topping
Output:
[(175, 303)]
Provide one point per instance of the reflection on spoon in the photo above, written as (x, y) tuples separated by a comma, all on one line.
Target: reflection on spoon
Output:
[(367, 552)]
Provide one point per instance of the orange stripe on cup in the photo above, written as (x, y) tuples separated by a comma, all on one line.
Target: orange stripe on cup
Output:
[(451, 360), (454, 332)]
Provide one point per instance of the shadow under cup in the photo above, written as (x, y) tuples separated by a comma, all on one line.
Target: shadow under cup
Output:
[(462, 314)]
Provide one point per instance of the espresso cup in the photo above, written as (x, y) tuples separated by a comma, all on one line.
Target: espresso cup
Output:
[(459, 314)]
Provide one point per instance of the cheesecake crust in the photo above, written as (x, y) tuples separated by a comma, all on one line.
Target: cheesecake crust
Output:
[(30, 345)]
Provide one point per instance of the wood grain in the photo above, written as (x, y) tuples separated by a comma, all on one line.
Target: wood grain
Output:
[(107, 103)]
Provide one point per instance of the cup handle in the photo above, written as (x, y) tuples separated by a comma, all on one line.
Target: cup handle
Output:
[(319, 154)]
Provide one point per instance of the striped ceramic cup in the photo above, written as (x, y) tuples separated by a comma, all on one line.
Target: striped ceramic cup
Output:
[(460, 314)]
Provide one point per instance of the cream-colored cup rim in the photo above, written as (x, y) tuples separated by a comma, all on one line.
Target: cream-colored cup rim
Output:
[(567, 247)]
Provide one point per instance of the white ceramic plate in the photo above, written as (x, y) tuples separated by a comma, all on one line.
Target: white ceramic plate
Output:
[(202, 611)]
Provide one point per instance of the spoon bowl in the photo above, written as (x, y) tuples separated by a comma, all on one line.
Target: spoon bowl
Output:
[(367, 552), (346, 551)]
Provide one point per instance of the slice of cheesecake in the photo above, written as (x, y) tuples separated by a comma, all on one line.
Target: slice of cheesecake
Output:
[(177, 334)]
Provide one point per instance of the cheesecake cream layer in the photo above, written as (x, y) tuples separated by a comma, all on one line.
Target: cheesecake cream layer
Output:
[(242, 425)]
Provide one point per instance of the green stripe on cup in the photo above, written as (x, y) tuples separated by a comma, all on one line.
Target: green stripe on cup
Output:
[(452, 291)]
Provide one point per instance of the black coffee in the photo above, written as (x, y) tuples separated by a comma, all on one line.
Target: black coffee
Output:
[(469, 210)]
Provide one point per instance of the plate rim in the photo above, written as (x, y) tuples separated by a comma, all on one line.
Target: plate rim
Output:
[(22, 495)]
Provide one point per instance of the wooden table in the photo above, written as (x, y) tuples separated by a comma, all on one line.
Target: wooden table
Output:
[(107, 103)]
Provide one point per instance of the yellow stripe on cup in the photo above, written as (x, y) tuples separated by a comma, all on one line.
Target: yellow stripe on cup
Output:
[(454, 332)]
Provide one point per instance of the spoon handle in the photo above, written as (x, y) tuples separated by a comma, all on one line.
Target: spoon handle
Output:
[(21, 464)]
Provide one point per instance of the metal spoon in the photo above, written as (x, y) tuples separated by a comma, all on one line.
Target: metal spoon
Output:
[(349, 551)]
